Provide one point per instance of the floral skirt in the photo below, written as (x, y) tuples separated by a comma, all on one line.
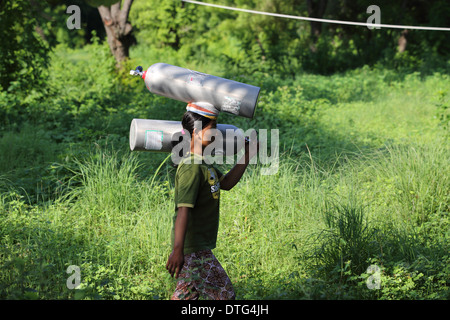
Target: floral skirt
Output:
[(203, 276)]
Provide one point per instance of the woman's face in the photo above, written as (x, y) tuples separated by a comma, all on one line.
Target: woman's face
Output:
[(208, 133)]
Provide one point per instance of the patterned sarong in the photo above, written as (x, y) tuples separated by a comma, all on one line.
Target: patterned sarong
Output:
[(202, 275)]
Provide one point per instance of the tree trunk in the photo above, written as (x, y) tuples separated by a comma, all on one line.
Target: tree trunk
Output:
[(118, 29), (316, 9), (403, 41)]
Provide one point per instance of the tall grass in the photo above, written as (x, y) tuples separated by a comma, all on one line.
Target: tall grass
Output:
[(346, 238), (356, 186), (116, 227), (418, 174), (114, 208)]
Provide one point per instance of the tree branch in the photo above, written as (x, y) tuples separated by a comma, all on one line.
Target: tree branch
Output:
[(115, 12), (126, 6), (105, 13), (124, 12), (117, 28)]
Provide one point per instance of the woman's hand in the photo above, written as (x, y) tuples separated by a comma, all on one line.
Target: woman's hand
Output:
[(176, 259), (175, 263), (251, 148)]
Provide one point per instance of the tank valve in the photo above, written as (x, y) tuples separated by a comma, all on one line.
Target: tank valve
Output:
[(137, 72)]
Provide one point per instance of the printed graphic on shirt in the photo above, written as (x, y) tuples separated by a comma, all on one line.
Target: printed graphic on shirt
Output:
[(214, 183)]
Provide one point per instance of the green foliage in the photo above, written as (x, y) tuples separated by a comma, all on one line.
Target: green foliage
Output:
[(163, 23), (347, 237), (97, 3), (443, 110), (26, 163), (239, 43), (24, 56), (362, 178)]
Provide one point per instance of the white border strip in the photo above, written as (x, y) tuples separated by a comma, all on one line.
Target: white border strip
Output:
[(372, 25)]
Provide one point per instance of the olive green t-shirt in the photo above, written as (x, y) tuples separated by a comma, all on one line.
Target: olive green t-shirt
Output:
[(197, 186)]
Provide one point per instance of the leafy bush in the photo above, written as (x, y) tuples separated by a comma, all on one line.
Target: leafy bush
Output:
[(24, 57)]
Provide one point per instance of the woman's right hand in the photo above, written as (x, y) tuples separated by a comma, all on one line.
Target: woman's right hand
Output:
[(175, 263), (176, 259)]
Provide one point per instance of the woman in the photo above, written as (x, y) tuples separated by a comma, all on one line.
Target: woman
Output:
[(196, 219)]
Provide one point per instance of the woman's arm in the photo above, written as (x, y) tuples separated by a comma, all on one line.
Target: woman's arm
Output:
[(234, 175), (176, 259)]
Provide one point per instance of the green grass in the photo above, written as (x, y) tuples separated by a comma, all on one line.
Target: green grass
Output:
[(363, 180)]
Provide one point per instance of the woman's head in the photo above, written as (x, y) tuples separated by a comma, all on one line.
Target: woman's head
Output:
[(189, 122), (195, 132)]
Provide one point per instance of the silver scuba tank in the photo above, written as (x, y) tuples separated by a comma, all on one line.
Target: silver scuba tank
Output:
[(161, 135), (191, 86)]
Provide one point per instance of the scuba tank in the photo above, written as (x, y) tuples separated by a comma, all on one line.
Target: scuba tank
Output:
[(191, 86), (162, 135)]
